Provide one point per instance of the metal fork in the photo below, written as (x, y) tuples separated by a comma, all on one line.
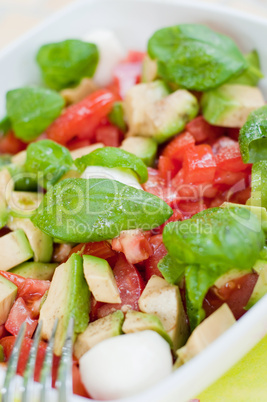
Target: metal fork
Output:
[(64, 379)]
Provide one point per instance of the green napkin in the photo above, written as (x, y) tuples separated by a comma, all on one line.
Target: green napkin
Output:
[(245, 382)]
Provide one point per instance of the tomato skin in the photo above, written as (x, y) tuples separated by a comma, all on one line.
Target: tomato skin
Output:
[(134, 245), (235, 293), (228, 178), (229, 158), (101, 249), (135, 56), (202, 131), (81, 119), (77, 143), (221, 143), (108, 135), (33, 289), (159, 251), (167, 167), (14, 278), (176, 148), (157, 185), (18, 315), (130, 286), (199, 165), (9, 144), (78, 387)]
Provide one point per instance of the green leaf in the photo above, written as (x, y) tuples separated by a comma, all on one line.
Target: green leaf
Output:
[(253, 137), (23, 180), (171, 269), (5, 125), (64, 64), (195, 57), (81, 210), (32, 110), (112, 157), (116, 116), (231, 236), (49, 160), (198, 280), (252, 74)]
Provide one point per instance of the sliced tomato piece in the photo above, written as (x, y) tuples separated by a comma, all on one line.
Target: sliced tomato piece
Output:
[(228, 178), (130, 286), (168, 167), (76, 143), (235, 293), (241, 197), (134, 245), (159, 251), (157, 185), (176, 148), (202, 131), (9, 144), (233, 133), (78, 387), (16, 279), (135, 56), (222, 142), (229, 158), (94, 307), (101, 249), (189, 208), (18, 315), (199, 165), (109, 135), (81, 120)]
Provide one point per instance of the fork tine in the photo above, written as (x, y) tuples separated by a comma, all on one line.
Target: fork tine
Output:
[(28, 377), (46, 373), (64, 381), (12, 366)]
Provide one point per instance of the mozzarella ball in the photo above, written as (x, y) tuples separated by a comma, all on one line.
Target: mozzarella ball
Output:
[(110, 54), (125, 365)]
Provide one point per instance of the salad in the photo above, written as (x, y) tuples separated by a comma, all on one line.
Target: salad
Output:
[(133, 198)]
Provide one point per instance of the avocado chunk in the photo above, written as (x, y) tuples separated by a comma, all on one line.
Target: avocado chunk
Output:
[(149, 69), (24, 203), (8, 293), (209, 330), (164, 300), (68, 296), (230, 105), (35, 270), (230, 276), (98, 331), (136, 322), (260, 288), (2, 355), (145, 148), (15, 249), (78, 153), (20, 158), (41, 243), (152, 112), (6, 187), (100, 279)]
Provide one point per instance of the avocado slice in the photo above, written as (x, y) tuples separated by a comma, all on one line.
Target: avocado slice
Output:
[(20, 158), (260, 288), (2, 355), (98, 331), (6, 187), (35, 270), (145, 148), (162, 299), (100, 279), (8, 293), (152, 112), (41, 243), (149, 69), (15, 249), (136, 322), (68, 296), (209, 330), (230, 104), (24, 203)]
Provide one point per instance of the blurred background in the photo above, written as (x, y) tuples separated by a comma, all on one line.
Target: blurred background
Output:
[(18, 16)]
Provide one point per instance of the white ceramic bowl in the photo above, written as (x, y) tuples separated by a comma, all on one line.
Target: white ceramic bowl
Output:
[(134, 21)]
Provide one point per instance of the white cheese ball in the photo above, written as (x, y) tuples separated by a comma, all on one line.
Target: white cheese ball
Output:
[(125, 365), (110, 54), (123, 175)]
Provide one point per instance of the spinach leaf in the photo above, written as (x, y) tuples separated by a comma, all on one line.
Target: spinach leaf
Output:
[(253, 136), (116, 116), (32, 110), (171, 269), (5, 125), (65, 63), (195, 57), (233, 237), (252, 74), (113, 157), (81, 210), (49, 160), (198, 280)]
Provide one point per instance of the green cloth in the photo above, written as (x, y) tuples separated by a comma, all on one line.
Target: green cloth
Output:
[(245, 382)]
